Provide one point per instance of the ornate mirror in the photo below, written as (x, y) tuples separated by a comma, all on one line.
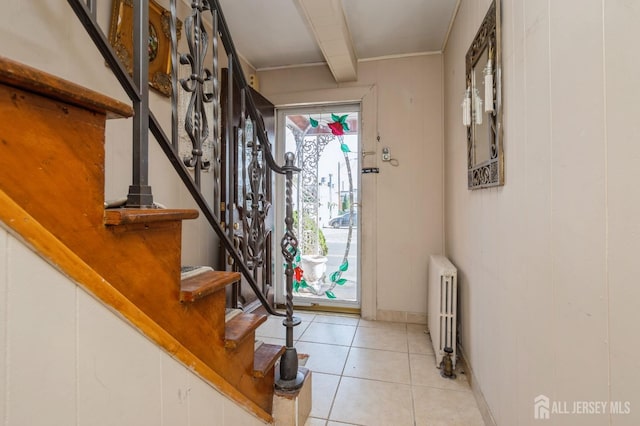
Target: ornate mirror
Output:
[(482, 105)]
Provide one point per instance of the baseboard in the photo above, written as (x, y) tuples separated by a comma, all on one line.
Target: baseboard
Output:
[(323, 308), (485, 411), (401, 316)]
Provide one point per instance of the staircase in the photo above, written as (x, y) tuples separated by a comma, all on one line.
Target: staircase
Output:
[(52, 166)]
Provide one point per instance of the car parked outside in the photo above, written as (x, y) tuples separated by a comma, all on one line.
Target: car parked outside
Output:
[(343, 220)]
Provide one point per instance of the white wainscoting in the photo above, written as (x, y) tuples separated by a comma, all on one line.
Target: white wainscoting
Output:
[(68, 360)]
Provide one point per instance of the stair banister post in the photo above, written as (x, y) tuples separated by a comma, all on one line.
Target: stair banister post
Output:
[(290, 378), (139, 191)]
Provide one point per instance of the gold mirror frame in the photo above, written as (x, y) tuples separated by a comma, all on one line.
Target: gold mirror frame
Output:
[(485, 162), (121, 39)]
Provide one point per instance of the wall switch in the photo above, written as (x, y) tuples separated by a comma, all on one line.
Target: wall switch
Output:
[(386, 154)]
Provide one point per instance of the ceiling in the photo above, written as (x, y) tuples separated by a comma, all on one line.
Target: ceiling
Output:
[(280, 33)]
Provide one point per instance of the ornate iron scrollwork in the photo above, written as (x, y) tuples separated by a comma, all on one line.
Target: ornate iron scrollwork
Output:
[(310, 151), (196, 123), (255, 202)]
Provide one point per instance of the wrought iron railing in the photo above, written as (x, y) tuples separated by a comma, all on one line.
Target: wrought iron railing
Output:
[(203, 85)]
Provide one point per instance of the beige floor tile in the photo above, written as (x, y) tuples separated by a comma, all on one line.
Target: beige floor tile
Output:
[(378, 365), (425, 373), (379, 387), (323, 390), (381, 338), (439, 407), (416, 328), (273, 328), (304, 316), (368, 402), (382, 324), (335, 334), (337, 319), (419, 342), (324, 358)]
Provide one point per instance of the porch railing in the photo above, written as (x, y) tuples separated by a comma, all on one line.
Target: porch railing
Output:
[(203, 86)]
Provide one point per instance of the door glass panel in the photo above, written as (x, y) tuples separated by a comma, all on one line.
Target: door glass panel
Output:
[(325, 194)]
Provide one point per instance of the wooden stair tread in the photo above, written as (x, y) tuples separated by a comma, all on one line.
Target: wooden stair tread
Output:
[(115, 217), (265, 357), (33, 80), (240, 327), (206, 283)]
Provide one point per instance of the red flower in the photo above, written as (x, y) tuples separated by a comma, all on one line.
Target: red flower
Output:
[(297, 273), (336, 128)]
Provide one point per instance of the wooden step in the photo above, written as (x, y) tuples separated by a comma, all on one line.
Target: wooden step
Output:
[(241, 327), (265, 358), (206, 283), (124, 216)]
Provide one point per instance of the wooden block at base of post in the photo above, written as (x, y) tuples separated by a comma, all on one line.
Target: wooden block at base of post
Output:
[(293, 408)]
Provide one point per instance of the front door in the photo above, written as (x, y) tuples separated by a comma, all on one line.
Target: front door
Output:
[(326, 142)]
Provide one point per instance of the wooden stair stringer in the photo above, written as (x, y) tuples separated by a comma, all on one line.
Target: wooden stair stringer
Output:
[(63, 191)]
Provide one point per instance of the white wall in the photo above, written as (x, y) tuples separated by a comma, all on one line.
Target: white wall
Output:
[(402, 207), (68, 360), (548, 287)]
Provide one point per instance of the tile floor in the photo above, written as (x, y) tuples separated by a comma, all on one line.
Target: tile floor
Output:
[(374, 373)]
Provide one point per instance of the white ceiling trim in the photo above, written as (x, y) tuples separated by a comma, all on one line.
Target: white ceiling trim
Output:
[(377, 58), (451, 22), (286, 67), (329, 26), (400, 56)]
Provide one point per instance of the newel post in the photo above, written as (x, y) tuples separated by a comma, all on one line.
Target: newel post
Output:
[(290, 378)]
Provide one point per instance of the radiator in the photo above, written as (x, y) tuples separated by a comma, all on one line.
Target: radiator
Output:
[(442, 296)]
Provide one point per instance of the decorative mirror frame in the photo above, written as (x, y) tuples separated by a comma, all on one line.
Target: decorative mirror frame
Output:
[(121, 39), (485, 173)]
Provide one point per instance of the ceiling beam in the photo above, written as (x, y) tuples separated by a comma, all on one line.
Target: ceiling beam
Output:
[(329, 26)]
